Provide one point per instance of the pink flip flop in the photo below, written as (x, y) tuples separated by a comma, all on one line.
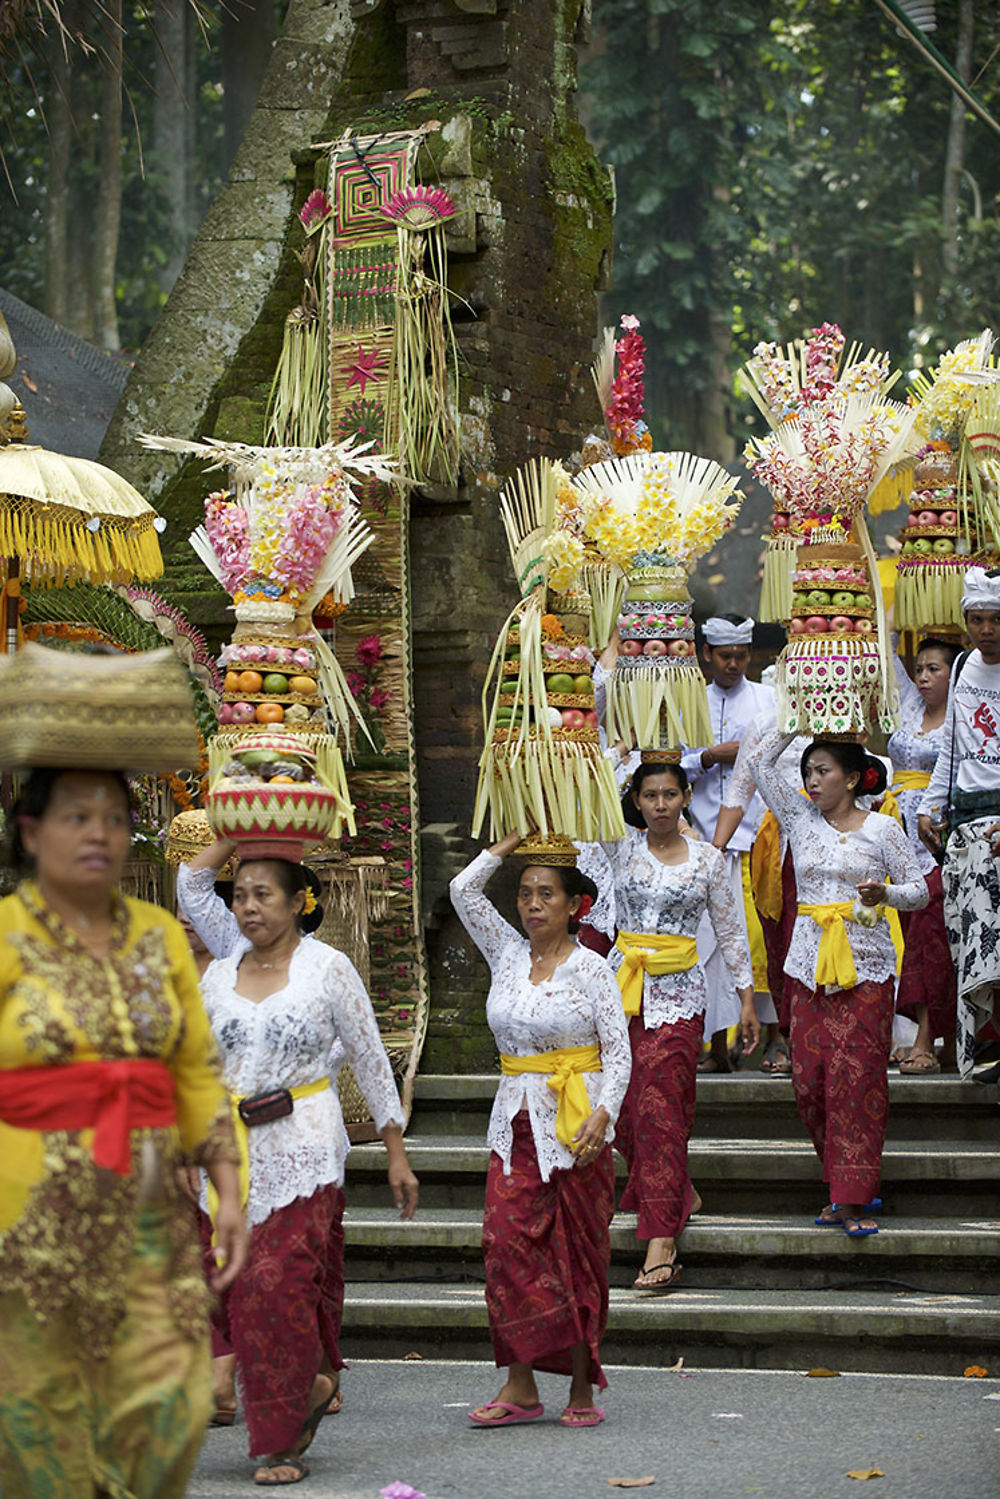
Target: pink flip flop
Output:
[(592, 1415), (516, 1414)]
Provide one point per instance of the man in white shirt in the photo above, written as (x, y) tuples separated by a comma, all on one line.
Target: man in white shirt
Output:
[(733, 704), (964, 792)]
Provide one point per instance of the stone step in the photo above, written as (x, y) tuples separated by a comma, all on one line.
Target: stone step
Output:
[(716, 1251), (752, 1104), (919, 1180), (873, 1330)]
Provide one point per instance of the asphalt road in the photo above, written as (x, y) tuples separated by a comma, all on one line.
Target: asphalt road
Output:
[(701, 1434)]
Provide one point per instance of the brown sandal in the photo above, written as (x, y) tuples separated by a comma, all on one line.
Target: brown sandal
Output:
[(919, 1063), (270, 1463)]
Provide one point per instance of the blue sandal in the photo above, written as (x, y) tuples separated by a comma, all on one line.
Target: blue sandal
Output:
[(866, 1212), (858, 1232)]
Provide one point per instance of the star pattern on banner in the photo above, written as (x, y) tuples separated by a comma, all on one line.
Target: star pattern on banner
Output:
[(364, 367)]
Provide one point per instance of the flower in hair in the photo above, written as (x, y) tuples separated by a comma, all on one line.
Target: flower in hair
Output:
[(869, 779), (310, 903), (585, 907)]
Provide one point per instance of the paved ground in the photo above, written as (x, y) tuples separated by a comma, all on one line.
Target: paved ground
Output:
[(713, 1434)]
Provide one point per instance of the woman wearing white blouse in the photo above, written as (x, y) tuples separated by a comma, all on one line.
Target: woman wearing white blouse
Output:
[(280, 1003), (841, 960), (556, 1014), (664, 884)]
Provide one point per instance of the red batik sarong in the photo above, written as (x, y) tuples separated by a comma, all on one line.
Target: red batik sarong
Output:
[(655, 1124), (840, 1046), (777, 936), (547, 1250), (928, 973), (281, 1316)]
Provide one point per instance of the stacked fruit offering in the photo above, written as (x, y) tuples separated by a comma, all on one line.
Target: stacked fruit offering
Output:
[(936, 547), (276, 786), (657, 693), (831, 592), (567, 701), (270, 679)]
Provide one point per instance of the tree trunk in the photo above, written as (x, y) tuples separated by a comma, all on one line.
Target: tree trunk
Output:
[(80, 231), (109, 198), (247, 38), (60, 126), (956, 143), (171, 107)]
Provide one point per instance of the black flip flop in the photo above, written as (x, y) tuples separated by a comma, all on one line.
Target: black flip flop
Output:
[(675, 1268)]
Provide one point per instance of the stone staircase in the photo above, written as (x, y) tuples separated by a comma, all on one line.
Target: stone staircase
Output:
[(762, 1286)]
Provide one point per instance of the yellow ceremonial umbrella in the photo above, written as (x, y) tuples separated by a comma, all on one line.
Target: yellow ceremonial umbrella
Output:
[(70, 520)]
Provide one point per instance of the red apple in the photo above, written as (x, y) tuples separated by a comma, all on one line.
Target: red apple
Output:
[(677, 648), (817, 625), (797, 625), (590, 718), (572, 718), (948, 518), (928, 518), (655, 648), (225, 713), (243, 712), (913, 519), (841, 624), (863, 627), (631, 647)]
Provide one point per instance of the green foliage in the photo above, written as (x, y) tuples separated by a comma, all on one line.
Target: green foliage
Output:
[(145, 241), (777, 166)]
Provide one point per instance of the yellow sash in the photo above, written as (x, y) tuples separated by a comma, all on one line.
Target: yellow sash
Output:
[(834, 961), (755, 932), (911, 780), (765, 868), (241, 1134), (649, 952), (564, 1068)]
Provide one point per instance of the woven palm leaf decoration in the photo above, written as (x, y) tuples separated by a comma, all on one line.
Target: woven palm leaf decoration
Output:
[(542, 768)]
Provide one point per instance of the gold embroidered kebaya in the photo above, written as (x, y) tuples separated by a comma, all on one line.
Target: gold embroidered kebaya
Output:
[(67, 1228)]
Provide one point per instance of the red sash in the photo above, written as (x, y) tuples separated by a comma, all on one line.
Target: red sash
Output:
[(112, 1098)]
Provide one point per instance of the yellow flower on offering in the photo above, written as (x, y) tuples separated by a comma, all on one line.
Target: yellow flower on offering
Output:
[(944, 397)]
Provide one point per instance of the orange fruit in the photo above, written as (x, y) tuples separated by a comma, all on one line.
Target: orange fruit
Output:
[(249, 681), (269, 712), (232, 682), (282, 781)]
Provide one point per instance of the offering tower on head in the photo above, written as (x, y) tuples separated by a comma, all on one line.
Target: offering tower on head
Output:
[(835, 435)]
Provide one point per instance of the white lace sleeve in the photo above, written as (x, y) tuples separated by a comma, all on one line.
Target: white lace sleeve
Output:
[(207, 912), (481, 919), (358, 1029), (908, 891), (616, 1050), (741, 787), (729, 930), (911, 704), (786, 803)]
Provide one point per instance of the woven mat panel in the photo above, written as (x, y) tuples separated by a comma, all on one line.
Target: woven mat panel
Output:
[(373, 639)]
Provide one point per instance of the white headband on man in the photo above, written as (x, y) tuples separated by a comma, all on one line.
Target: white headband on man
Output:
[(722, 632), (981, 590)]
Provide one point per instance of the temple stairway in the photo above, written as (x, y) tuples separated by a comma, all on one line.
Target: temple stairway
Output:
[(762, 1286)]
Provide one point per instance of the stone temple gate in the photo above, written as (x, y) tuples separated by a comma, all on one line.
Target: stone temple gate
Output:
[(488, 85)]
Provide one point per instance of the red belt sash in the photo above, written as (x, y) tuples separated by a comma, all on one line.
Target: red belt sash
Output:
[(112, 1098)]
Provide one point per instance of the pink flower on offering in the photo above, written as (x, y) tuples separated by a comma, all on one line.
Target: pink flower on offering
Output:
[(315, 210), (228, 528), (629, 322), (378, 698), (356, 683), (369, 650)]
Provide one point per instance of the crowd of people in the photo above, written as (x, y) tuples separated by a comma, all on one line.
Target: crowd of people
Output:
[(172, 1147)]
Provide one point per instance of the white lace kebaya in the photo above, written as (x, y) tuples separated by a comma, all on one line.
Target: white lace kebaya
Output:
[(291, 1038), (580, 1005), (672, 898), (830, 865)]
